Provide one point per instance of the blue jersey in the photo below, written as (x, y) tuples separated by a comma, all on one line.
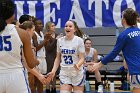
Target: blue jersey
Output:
[(129, 42)]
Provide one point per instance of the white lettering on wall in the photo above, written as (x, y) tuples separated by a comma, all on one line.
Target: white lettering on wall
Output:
[(19, 5), (76, 11), (117, 10), (98, 10), (31, 6), (47, 11)]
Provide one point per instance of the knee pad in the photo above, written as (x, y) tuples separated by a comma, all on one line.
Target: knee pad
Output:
[(64, 91), (77, 91)]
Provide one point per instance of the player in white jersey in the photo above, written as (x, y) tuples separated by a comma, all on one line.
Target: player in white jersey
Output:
[(91, 56), (39, 41), (70, 52), (12, 41), (32, 73)]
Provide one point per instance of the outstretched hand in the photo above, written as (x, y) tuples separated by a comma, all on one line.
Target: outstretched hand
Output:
[(96, 66), (76, 67), (50, 76)]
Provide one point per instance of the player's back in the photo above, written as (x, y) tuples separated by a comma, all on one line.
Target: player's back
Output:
[(131, 50), (10, 48)]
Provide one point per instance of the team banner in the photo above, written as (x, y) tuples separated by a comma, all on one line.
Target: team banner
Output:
[(87, 13)]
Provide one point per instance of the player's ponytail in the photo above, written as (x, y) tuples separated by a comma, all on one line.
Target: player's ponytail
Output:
[(7, 9), (2, 24)]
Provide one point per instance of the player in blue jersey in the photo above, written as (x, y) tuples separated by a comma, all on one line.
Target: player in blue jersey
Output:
[(12, 41), (70, 57), (129, 43)]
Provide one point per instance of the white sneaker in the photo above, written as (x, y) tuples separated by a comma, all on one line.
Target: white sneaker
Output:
[(100, 88)]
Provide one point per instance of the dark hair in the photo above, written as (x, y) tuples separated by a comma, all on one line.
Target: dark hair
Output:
[(24, 18), (78, 31), (26, 25), (14, 22), (7, 9), (130, 16), (86, 40)]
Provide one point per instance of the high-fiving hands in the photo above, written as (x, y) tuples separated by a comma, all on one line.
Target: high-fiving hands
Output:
[(94, 66), (50, 76)]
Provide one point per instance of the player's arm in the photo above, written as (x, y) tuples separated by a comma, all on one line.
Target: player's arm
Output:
[(95, 55), (81, 50), (35, 43), (28, 54), (121, 41), (34, 71), (124, 64), (56, 62), (81, 61), (51, 74)]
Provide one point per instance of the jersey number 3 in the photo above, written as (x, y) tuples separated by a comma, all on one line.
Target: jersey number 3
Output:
[(5, 44), (68, 59)]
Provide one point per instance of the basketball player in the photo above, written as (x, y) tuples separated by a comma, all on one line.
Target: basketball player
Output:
[(12, 41), (128, 42), (39, 41), (91, 56), (70, 52), (30, 28)]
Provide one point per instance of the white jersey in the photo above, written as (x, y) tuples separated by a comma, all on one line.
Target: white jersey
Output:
[(41, 52), (69, 50), (89, 56), (10, 48), (138, 24)]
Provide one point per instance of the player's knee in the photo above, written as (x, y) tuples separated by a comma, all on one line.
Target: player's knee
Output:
[(65, 91), (77, 91)]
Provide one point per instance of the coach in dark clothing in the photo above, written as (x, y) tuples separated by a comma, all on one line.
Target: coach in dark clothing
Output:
[(51, 54)]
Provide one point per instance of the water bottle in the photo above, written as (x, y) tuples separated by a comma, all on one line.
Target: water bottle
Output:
[(87, 86), (100, 88), (117, 31), (112, 86)]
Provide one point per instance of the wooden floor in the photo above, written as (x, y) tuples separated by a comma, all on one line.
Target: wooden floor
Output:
[(117, 85)]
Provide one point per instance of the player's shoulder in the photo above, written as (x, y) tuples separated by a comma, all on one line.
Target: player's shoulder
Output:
[(22, 33), (61, 38), (79, 39)]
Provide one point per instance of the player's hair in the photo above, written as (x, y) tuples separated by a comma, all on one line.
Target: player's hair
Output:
[(24, 18), (7, 9), (14, 22), (78, 32), (86, 40), (26, 25), (130, 16), (47, 26)]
